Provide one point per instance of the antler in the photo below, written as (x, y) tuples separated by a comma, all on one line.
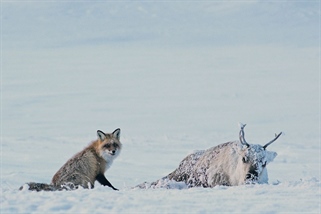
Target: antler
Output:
[(241, 136), (276, 137)]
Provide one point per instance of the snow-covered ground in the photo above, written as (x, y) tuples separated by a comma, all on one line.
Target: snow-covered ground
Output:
[(175, 77)]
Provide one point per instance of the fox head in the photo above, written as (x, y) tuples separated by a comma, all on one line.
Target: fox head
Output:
[(109, 145)]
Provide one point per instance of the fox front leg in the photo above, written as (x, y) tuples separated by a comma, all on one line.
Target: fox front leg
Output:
[(103, 181)]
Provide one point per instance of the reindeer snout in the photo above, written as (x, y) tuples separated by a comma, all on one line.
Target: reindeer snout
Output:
[(249, 176), (252, 174)]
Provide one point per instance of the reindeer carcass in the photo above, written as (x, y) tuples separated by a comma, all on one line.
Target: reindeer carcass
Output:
[(231, 164)]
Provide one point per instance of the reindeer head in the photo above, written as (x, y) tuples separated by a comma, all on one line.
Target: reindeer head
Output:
[(255, 158)]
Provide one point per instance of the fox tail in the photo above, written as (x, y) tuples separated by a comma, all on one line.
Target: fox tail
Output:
[(32, 186)]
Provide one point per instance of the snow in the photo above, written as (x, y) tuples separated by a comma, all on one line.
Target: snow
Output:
[(175, 77), (289, 196)]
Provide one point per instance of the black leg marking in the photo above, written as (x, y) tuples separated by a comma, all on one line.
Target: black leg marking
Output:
[(103, 180)]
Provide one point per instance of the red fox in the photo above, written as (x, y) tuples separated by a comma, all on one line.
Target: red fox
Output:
[(87, 166)]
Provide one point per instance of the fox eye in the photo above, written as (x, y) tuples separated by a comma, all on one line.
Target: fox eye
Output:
[(107, 146), (115, 145)]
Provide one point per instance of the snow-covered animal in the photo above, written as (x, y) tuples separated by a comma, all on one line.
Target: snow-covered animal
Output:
[(86, 166), (231, 164)]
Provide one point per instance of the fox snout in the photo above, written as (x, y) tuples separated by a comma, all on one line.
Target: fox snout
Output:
[(111, 148), (113, 152)]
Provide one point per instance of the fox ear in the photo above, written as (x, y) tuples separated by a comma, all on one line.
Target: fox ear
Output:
[(101, 135), (116, 133)]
